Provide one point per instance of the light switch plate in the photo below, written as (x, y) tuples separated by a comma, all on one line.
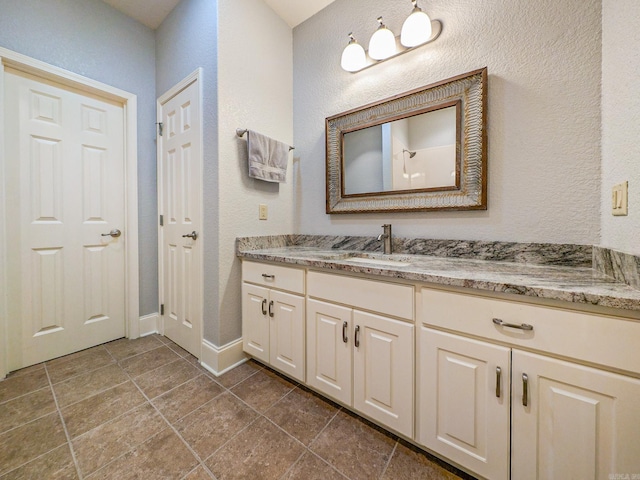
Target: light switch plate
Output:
[(262, 211), (619, 199)]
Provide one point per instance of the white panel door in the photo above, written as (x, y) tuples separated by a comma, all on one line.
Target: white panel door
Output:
[(578, 422), (65, 179), (383, 366), (255, 321), (286, 338), (180, 205), (329, 346), (463, 400)]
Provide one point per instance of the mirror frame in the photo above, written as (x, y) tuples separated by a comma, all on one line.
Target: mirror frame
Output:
[(469, 92)]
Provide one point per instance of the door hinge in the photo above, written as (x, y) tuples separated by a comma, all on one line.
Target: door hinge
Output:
[(162, 309), (160, 127), (161, 220)]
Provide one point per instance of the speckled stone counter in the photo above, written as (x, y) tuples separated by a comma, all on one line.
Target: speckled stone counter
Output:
[(571, 273)]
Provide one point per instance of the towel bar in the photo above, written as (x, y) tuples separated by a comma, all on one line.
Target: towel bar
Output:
[(241, 131)]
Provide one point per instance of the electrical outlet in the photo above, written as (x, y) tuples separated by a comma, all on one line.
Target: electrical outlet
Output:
[(262, 211), (619, 199)]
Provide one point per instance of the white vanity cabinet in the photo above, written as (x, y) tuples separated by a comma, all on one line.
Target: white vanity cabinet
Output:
[(568, 420), (356, 352), (273, 316)]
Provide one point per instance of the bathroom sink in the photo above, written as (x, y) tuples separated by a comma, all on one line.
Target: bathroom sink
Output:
[(378, 261)]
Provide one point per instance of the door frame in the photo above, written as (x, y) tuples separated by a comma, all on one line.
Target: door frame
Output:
[(23, 63), (193, 77)]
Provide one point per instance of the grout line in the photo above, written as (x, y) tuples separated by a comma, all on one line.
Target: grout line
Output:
[(64, 426), (393, 452)]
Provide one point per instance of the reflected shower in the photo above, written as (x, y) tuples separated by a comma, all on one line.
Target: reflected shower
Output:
[(411, 154)]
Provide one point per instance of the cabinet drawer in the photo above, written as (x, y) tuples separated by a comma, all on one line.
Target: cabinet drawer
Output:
[(274, 276), (599, 339), (388, 298)]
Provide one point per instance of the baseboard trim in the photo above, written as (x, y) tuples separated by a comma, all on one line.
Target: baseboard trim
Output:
[(219, 360), (148, 324)]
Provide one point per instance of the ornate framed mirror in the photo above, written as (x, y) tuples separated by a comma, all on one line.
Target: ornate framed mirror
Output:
[(421, 150)]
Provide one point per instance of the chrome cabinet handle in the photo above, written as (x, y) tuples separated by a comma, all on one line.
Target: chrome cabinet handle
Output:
[(498, 381), (264, 306), (344, 332), (522, 326), (268, 277), (356, 341), (113, 233), (525, 390), (271, 308), (193, 235)]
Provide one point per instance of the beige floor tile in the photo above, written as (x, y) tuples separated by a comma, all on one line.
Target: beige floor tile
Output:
[(238, 374), (125, 348), (94, 411), (311, 467), (163, 456), (147, 361), (262, 450), (26, 408), (25, 443), (210, 426), (74, 356), (198, 474), (26, 370), (16, 386), (178, 349), (164, 378), (355, 448), (263, 389), (411, 464), (187, 397), (76, 364), (55, 465), (88, 384), (110, 440), (302, 414)]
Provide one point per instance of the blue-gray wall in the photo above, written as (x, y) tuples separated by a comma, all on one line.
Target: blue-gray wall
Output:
[(186, 40), (91, 38)]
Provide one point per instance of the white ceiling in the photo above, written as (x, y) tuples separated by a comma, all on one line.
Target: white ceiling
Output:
[(152, 12)]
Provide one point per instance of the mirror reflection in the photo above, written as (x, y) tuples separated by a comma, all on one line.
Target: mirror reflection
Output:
[(413, 153)]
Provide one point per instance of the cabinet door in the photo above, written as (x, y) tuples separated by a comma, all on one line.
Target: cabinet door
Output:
[(329, 349), (383, 366), (255, 321), (287, 333), (578, 422), (463, 401)]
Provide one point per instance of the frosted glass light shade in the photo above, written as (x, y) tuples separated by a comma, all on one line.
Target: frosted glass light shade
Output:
[(353, 57), (382, 43), (416, 29)]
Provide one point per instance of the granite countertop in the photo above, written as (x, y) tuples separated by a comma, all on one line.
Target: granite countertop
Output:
[(572, 283)]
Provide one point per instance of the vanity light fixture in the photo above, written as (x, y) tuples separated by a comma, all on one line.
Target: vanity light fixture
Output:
[(418, 29)]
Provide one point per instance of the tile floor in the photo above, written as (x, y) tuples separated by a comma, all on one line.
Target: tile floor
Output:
[(146, 409)]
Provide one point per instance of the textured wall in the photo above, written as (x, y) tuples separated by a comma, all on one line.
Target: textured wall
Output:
[(90, 38), (255, 91), (544, 62), (186, 40), (621, 120)]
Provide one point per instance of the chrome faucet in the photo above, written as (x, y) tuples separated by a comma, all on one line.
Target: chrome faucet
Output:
[(386, 235)]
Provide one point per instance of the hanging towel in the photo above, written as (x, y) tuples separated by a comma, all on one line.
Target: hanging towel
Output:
[(268, 158)]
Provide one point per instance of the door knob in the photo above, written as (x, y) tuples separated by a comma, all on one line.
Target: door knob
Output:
[(193, 235), (113, 233)]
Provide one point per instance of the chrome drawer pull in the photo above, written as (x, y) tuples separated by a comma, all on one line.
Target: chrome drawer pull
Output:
[(525, 390), (344, 332), (498, 381), (268, 277), (522, 326)]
